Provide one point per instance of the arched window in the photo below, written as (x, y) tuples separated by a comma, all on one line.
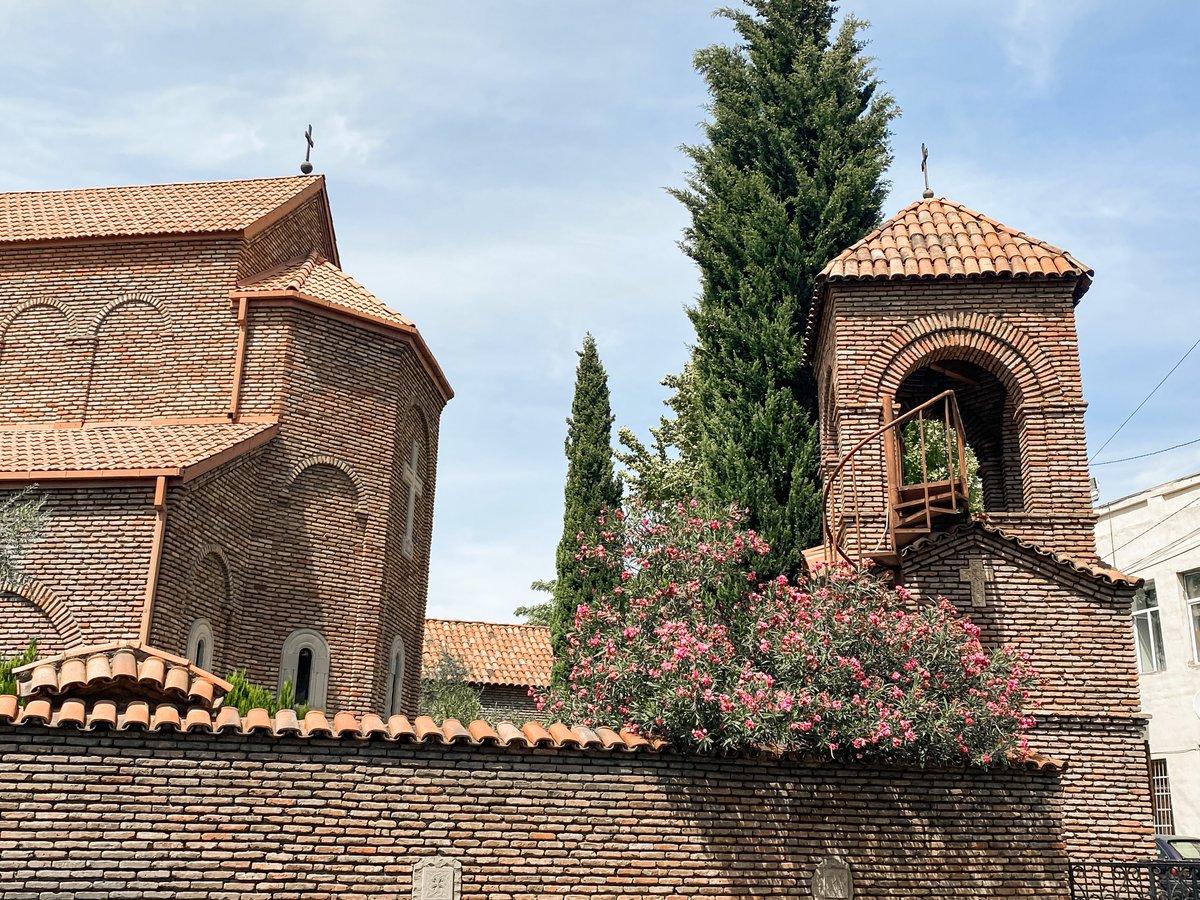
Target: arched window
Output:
[(395, 680), (200, 644), (305, 665)]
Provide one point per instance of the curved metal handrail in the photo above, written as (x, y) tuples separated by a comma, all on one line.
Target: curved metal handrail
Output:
[(833, 477)]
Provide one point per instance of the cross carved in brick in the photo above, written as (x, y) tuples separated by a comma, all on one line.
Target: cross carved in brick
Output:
[(978, 573)]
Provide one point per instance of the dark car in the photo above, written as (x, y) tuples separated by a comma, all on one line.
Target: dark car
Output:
[(1180, 881)]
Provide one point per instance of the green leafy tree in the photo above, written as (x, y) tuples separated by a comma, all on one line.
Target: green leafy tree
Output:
[(445, 693), (22, 519), (538, 613), (8, 682), (938, 464), (592, 487), (246, 695), (790, 174)]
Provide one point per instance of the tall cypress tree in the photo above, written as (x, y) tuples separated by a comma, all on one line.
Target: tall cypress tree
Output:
[(791, 173), (592, 486)]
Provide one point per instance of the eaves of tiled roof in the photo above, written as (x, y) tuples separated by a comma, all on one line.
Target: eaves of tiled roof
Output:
[(936, 239), (316, 283), (177, 449), (492, 653), (234, 208), (1089, 569), (138, 716), (118, 671)]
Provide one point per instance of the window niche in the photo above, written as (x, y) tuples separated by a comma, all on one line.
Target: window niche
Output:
[(304, 665), (200, 644), (395, 680)]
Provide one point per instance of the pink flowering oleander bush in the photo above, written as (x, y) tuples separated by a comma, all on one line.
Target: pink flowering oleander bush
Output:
[(695, 647)]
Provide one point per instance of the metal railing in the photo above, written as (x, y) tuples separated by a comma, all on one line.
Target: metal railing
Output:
[(842, 506), (1149, 880)]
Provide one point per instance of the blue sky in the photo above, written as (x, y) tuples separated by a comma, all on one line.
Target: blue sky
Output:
[(497, 173)]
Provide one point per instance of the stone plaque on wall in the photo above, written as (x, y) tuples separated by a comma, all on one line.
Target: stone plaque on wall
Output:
[(438, 878), (832, 880)]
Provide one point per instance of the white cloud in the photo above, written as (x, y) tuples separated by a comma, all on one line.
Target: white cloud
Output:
[(1034, 34)]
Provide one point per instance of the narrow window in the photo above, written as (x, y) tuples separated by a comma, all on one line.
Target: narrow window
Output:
[(200, 644), (304, 661), (1191, 590), (416, 485), (396, 677), (304, 664), (1160, 792), (1147, 630)]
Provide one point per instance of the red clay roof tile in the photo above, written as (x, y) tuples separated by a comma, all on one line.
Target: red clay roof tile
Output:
[(935, 232), (513, 655), (176, 450), (144, 210), (316, 277)]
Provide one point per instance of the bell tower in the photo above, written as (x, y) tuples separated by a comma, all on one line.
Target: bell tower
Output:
[(945, 352)]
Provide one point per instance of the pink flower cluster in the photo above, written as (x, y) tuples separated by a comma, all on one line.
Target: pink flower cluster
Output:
[(694, 647)]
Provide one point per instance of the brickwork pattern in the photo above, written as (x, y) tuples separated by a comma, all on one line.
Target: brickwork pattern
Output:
[(1076, 629), (874, 336), (230, 816), (146, 328), (93, 557)]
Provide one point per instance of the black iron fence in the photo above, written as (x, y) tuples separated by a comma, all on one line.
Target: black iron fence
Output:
[(1157, 880)]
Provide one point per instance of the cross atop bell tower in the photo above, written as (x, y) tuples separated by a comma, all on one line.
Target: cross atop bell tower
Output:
[(945, 352)]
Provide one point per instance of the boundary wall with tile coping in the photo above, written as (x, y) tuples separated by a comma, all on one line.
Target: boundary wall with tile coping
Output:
[(132, 813)]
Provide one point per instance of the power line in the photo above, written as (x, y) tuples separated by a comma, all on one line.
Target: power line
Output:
[(1155, 525), (1144, 402), (1109, 462), (1180, 553)]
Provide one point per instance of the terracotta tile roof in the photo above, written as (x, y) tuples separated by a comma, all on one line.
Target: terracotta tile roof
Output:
[(492, 653), (154, 209), (118, 671), (940, 239), (1091, 568), (139, 715), (316, 277), (175, 450)]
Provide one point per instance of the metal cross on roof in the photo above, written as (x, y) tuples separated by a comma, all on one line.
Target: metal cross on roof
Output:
[(306, 166), (928, 195)]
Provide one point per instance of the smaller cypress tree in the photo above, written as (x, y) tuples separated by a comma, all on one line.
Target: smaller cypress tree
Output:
[(592, 486)]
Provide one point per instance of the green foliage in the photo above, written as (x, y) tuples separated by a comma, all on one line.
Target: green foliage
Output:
[(8, 683), (700, 650), (538, 613), (22, 519), (591, 488), (667, 469), (445, 693), (938, 465), (791, 174), (246, 695)]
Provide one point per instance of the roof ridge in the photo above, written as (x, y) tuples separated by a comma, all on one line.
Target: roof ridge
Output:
[(135, 187), (305, 269), (482, 622)]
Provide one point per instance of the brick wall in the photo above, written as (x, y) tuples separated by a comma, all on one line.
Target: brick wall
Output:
[(875, 336), (116, 330), (93, 558), (1076, 629), (127, 814)]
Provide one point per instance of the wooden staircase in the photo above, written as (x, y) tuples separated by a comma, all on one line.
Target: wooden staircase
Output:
[(857, 525)]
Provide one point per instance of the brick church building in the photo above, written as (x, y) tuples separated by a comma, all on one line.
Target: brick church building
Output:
[(238, 444), (237, 441)]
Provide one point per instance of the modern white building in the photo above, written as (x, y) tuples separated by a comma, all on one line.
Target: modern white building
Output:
[(1156, 535)]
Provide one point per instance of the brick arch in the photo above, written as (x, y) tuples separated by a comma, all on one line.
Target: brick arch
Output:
[(22, 308), (51, 606), (325, 459), (43, 363), (127, 300), (131, 370), (206, 550), (1009, 353)]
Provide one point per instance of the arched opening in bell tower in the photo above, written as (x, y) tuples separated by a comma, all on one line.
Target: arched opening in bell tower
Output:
[(987, 411)]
